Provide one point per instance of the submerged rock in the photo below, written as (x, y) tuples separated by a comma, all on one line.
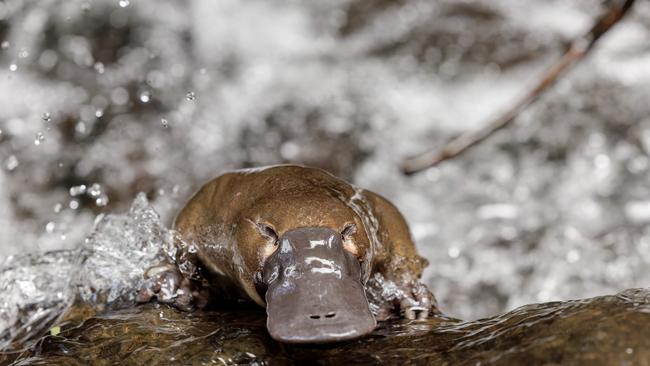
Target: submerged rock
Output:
[(604, 330)]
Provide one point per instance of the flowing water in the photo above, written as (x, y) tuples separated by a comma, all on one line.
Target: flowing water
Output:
[(101, 100), (83, 302)]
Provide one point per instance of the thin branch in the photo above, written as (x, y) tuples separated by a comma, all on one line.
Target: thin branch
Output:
[(579, 48)]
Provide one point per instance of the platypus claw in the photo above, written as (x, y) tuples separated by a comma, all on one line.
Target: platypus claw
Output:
[(417, 302), (166, 284)]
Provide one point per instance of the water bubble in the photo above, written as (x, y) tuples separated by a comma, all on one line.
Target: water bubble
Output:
[(95, 190), (99, 113), (23, 54), (50, 227), (0, 132), (4, 45), (74, 204), (11, 163), (124, 3), (77, 190), (145, 97), (164, 123), (13, 67), (46, 117), (102, 200), (191, 96), (39, 138), (99, 67), (58, 207)]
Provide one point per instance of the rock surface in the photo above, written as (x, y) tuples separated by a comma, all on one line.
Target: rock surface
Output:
[(608, 330)]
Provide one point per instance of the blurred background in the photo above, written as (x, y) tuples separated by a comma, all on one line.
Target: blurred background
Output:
[(100, 100)]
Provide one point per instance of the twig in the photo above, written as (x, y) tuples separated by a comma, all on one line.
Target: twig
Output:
[(579, 48)]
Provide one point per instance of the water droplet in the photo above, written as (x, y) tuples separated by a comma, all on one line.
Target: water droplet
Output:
[(99, 113), (145, 97), (39, 138), (629, 351), (13, 67), (4, 45), (46, 117), (12, 162), (77, 190), (74, 204), (102, 200), (0, 132), (80, 128), (99, 67), (164, 123), (58, 207), (124, 3), (50, 227), (191, 96), (23, 54), (453, 252), (572, 256), (95, 190)]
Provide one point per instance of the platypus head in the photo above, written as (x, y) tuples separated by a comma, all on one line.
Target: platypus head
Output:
[(314, 293), (310, 269)]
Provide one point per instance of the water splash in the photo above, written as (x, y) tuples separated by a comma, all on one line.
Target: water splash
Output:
[(39, 138), (104, 272)]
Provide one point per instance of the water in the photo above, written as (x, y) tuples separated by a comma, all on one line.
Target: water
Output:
[(554, 208), (82, 301), (103, 273)]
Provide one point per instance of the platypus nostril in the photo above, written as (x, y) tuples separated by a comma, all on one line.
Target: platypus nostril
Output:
[(330, 315), (315, 316)]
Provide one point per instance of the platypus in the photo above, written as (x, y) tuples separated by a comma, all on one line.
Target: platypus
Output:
[(326, 259)]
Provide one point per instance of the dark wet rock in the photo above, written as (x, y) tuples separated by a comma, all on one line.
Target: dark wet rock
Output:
[(608, 330)]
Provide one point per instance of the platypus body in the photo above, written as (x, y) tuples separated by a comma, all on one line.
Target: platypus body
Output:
[(325, 258)]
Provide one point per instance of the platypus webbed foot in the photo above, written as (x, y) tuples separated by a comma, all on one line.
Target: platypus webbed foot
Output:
[(166, 284), (417, 301), (408, 297)]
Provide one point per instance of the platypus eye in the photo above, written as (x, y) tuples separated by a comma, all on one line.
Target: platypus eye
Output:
[(267, 231), (348, 231)]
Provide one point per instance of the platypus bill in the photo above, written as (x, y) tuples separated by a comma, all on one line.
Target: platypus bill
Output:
[(301, 242)]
